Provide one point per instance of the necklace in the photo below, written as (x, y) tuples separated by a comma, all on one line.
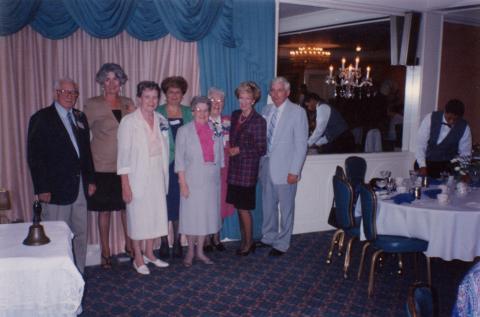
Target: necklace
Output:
[(242, 118)]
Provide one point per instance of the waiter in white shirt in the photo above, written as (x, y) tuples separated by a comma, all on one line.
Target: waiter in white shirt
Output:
[(442, 136), (331, 132)]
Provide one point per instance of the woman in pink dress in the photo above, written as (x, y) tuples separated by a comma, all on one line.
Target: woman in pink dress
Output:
[(221, 124)]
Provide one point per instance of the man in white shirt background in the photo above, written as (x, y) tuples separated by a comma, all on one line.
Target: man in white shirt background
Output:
[(331, 133), (442, 136)]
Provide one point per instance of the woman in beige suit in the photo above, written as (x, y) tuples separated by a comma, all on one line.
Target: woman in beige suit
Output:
[(104, 114)]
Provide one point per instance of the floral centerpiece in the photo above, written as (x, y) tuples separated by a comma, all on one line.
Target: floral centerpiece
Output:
[(466, 169)]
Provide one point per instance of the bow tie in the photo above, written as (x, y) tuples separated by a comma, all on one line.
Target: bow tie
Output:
[(448, 125)]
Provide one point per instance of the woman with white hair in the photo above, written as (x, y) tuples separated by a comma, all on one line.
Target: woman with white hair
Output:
[(198, 160)]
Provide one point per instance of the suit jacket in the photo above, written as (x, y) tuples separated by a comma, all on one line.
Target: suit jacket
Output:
[(289, 147), (251, 138), (189, 156), (104, 127), (54, 164)]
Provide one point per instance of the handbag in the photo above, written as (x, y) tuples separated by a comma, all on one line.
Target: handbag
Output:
[(332, 219)]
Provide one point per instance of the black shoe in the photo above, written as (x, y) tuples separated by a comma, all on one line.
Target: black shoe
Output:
[(260, 244), (219, 246), (177, 250), (275, 252), (164, 251), (208, 248), (247, 251)]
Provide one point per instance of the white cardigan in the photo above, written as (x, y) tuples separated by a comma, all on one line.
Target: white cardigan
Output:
[(133, 155)]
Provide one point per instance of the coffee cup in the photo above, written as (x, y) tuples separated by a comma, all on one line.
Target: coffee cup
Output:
[(442, 199), (462, 188), (443, 188), (401, 189)]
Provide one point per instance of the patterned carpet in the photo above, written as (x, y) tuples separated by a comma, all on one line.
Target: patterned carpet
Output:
[(298, 283)]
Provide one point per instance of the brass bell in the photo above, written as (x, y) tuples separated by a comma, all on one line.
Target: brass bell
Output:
[(36, 234)]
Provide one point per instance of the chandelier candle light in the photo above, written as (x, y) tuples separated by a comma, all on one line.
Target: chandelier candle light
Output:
[(349, 82)]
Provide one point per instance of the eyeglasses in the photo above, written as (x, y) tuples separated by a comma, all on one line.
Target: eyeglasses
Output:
[(216, 100), (70, 93), (197, 109)]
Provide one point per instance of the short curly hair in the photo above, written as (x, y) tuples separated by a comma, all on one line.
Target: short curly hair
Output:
[(144, 85), (114, 68), (249, 87), (174, 82)]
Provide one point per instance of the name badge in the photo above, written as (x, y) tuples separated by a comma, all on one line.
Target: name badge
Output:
[(174, 122)]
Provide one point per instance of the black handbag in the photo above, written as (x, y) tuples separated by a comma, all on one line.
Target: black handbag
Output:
[(332, 219)]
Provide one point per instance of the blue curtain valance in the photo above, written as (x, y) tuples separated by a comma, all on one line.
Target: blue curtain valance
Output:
[(187, 20)]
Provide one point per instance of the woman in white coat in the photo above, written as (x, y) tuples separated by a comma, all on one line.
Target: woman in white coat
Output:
[(198, 160), (143, 165)]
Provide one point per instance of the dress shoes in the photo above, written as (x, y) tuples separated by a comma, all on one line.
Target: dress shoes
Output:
[(142, 269), (275, 252), (156, 262), (260, 244), (247, 251), (219, 246)]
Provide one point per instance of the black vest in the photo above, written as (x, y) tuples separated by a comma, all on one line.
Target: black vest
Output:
[(448, 148), (336, 125)]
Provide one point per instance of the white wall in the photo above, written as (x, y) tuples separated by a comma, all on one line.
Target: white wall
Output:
[(315, 193)]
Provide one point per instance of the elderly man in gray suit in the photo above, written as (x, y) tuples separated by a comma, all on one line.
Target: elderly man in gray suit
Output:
[(287, 134)]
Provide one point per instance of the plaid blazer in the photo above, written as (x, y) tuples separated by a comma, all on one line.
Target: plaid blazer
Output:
[(251, 138)]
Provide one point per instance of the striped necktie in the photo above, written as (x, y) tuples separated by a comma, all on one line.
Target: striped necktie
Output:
[(271, 127), (73, 126)]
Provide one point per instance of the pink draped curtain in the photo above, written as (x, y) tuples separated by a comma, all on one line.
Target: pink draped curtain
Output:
[(30, 63)]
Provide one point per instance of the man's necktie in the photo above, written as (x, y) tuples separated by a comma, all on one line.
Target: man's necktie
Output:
[(271, 128), (74, 126), (448, 125)]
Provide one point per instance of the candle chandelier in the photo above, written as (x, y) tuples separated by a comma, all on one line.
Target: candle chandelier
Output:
[(309, 51), (349, 81)]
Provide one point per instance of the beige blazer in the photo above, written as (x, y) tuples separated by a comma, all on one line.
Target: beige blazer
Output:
[(133, 150), (103, 128)]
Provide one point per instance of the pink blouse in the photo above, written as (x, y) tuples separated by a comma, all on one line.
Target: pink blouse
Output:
[(205, 134)]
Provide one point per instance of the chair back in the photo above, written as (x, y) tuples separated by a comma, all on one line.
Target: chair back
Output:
[(421, 301), (368, 200), (340, 172), (373, 141), (343, 197), (355, 168)]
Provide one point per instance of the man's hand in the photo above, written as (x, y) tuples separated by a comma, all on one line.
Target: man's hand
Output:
[(92, 188), (45, 197), (422, 171), (292, 179)]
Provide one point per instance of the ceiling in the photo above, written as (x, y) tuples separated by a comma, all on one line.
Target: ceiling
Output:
[(340, 31)]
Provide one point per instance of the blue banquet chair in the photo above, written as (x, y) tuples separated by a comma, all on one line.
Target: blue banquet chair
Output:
[(422, 301), (383, 243), (355, 168), (338, 236), (343, 196)]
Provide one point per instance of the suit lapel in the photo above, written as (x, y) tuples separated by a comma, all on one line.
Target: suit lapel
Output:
[(57, 125)]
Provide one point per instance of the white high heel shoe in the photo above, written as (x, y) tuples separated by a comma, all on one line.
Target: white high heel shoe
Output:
[(156, 262)]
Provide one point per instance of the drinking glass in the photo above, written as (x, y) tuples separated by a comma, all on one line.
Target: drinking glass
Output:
[(390, 185), (413, 177), (385, 174)]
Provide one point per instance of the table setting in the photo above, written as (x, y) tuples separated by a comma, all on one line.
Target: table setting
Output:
[(445, 212)]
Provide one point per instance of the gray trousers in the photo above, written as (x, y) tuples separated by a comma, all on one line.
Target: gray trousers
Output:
[(277, 232), (75, 215)]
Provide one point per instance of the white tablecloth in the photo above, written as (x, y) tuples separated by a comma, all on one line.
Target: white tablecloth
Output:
[(452, 231), (38, 280)]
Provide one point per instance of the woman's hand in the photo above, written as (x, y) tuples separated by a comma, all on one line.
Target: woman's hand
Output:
[(127, 195), (234, 151), (184, 191)]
